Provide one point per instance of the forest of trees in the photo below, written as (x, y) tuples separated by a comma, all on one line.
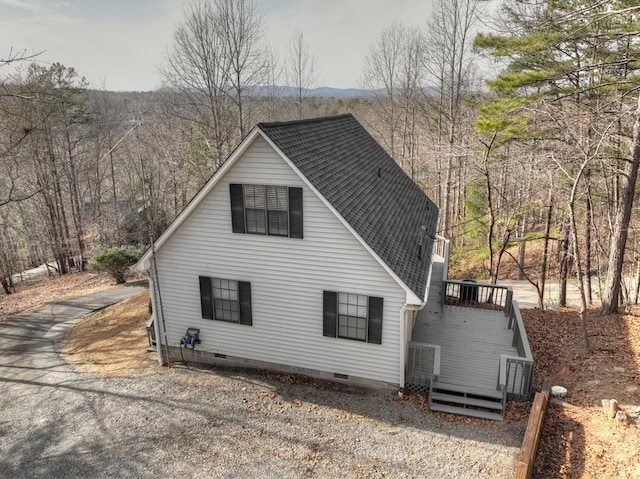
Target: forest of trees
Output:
[(543, 149)]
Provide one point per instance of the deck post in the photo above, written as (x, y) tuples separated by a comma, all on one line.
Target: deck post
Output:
[(507, 304)]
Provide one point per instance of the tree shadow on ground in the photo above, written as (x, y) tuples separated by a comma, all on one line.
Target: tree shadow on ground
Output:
[(610, 371), (383, 405)]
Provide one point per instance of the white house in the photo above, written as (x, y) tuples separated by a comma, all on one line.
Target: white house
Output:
[(308, 251)]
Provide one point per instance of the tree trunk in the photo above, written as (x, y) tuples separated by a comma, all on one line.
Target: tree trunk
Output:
[(564, 266), (5, 286), (637, 292), (489, 198), (578, 260), (522, 249), (545, 254), (587, 245), (621, 225)]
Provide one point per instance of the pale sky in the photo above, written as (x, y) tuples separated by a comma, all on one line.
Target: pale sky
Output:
[(118, 44)]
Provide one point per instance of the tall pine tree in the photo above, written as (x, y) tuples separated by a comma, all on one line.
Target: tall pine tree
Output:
[(571, 76)]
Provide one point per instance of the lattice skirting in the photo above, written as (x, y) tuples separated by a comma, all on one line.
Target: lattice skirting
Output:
[(417, 388)]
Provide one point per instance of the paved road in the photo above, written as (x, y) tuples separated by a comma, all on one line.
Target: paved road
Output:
[(527, 297), (40, 396)]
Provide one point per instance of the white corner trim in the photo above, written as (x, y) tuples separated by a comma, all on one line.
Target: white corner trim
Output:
[(144, 263), (411, 297)]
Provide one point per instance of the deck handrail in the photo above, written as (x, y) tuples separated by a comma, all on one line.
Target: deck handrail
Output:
[(523, 363), (520, 341), (442, 248), (436, 362), (474, 294)]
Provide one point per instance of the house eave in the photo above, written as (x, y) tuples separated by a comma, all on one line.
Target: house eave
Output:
[(411, 297), (145, 261)]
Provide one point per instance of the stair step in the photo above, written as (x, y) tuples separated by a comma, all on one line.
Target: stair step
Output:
[(448, 388), (468, 401), (495, 416)]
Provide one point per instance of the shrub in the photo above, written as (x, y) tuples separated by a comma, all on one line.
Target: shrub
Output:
[(116, 261)]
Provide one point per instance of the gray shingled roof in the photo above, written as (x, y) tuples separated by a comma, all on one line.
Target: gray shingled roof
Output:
[(367, 187)]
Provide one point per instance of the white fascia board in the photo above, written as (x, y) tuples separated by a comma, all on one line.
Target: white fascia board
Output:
[(430, 274), (411, 297), (144, 263)]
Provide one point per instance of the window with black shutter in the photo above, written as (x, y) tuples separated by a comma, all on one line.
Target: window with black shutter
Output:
[(295, 212), (206, 298), (226, 300), (237, 208), (266, 210), (352, 316)]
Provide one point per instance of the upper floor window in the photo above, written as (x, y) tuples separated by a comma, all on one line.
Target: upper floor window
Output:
[(266, 210)]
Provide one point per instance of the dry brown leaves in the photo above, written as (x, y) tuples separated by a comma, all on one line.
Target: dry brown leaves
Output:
[(47, 289), (113, 341), (578, 441)]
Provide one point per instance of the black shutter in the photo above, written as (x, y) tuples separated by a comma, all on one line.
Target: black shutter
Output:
[(244, 298), (206, 297), (329, 313), (374, 334), (295, 212), (237, 208)]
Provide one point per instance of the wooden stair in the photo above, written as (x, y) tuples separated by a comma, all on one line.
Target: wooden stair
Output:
[(457, 399)]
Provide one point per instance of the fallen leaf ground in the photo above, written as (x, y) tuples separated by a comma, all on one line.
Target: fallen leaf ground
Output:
[(47, 289), (578, 441), (113, 341)]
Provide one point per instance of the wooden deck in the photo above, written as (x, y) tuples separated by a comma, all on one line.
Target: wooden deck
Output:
[(470, 339)]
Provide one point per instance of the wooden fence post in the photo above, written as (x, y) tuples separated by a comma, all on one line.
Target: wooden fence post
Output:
[(529, 449)]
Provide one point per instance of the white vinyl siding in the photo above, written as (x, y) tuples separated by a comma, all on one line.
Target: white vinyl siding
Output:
[(287, 279)]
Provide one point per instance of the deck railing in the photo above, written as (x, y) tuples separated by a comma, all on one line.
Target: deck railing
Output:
[(515, 373), (473, 294), (442, 248), (423, 365)]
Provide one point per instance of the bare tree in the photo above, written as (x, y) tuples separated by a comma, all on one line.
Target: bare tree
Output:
[(621, 225), (381, 75), (394, 74), (300, 67), (449, 35), (197, 71), (214, 64), (241, 30), (412, 93)]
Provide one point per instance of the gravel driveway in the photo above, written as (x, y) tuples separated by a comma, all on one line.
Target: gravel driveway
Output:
[(180, 423)]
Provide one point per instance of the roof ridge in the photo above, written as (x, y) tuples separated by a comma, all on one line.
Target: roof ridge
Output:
[(303, 121)]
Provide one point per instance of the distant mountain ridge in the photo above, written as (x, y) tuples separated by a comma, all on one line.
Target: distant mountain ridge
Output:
[(331, 92), (324, 91), (319, 92)]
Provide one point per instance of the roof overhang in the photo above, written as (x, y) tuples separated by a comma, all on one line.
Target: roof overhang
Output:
[(145, 261), (411, 297)]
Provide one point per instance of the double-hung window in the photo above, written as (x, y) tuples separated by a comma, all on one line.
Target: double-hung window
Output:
[(352, 316), (255, 209), (266, 210), (225, 300)]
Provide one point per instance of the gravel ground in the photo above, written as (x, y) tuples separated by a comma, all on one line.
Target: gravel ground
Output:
[(176, 423)]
